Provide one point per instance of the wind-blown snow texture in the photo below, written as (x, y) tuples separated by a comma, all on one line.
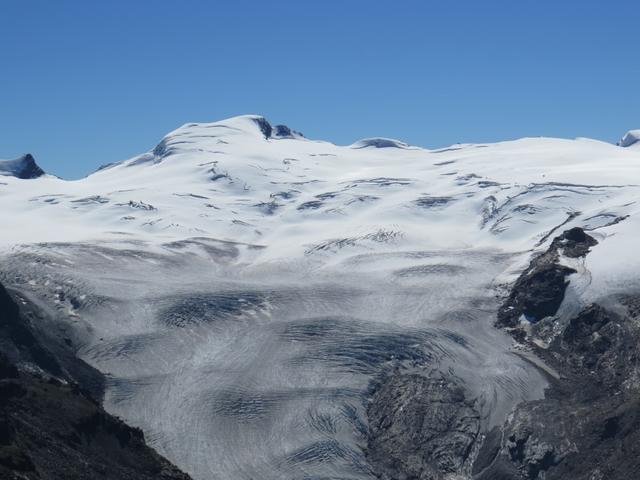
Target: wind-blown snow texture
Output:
[(241, 285)]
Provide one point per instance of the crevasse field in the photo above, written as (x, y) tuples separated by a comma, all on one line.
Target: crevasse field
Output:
[(241, 286)]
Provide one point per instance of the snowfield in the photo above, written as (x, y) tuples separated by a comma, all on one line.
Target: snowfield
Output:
[(241, 286)]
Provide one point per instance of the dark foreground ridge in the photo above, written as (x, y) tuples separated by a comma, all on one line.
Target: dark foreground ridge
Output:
[(51, 426)]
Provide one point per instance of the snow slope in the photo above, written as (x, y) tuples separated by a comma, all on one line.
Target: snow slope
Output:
[(241, 285), (228, 181)]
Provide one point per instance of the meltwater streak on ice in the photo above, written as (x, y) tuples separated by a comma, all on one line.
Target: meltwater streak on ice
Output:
[(238, 372)]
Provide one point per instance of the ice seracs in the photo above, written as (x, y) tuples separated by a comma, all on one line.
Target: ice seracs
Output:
[(24, 167)]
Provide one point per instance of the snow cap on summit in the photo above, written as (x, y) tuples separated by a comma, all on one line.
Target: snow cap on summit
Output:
[(379, 142), (632, 137)]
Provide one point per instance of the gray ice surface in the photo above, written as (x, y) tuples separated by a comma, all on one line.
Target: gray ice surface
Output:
[(243, 370)]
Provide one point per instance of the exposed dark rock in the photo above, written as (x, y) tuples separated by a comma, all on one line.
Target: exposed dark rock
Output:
[(282, 131), (421, 428), (51, 427), (50, 430), (587, 426), (540, 289), (574, 243), (28, 336), (24, 167), (264, 126)]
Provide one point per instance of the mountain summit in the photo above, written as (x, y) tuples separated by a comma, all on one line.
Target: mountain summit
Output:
[(24, 167), (632, 137)]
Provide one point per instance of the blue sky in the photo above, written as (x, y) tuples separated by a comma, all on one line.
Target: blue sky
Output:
[(83, 83)]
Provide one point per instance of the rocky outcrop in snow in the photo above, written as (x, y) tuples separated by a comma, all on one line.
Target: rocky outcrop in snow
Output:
[(24, 167), (540, 289)]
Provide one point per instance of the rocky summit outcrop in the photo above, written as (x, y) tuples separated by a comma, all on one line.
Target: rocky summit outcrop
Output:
[(24, 167), (50, 425)]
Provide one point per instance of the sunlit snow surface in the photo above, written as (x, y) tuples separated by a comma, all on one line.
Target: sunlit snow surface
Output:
[(242, 292)]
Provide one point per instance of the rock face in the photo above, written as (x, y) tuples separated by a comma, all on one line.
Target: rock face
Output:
[(539, 291), (282, 131), (586, 427), (50, 426), (421, 427), (22, 343), (24, 167)]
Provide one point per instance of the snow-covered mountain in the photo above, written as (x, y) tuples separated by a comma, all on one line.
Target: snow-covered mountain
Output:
[(241, 180), (241, 285)]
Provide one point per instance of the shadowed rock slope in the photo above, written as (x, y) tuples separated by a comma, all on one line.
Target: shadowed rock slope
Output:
[(588, 425), (24, 167), (53, 428)]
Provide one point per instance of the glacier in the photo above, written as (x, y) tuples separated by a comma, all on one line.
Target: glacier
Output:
[(241, 286)]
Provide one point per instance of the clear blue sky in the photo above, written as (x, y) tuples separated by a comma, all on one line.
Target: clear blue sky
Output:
[(84, 83)]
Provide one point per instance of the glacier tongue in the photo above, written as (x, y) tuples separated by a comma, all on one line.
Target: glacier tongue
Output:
[(242, 286), (236, 369)]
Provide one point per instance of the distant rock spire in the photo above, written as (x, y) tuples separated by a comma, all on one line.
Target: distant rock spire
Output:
[(24, 167)]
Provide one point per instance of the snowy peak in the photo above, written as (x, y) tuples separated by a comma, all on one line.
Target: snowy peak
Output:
[(380, 142), (632, 137), (242, 179), (24, 167)]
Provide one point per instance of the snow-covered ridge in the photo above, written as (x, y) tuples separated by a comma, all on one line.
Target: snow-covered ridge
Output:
[(632, 137), (243, 180), (379, 142)]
